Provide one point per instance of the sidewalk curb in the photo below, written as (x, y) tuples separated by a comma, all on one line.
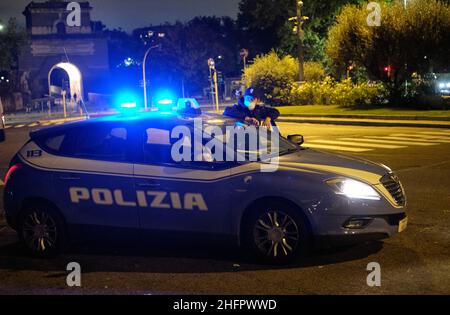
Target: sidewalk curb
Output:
[(363, 123), (375, 117)]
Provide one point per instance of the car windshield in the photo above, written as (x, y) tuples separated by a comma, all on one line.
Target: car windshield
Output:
[(256, 141)]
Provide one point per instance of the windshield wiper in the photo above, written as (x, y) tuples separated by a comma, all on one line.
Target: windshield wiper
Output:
[(289, 151)]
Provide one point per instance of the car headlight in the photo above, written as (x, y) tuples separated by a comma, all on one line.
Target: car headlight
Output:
[(353, 189)]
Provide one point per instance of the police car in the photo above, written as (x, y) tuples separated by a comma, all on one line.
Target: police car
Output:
[(119, 173)]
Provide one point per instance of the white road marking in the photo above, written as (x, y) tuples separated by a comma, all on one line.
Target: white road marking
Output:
[(405, 143), (33, 125), (336, 148), (425, 138), (411, 140), (358, 143), (7, 127), (19, 126), (436, 133)]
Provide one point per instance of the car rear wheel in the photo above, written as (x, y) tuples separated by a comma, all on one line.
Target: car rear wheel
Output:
[(42, 231), (277, 233)]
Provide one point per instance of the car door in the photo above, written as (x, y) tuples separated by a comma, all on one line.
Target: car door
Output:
[(95, 176), (184, 196)]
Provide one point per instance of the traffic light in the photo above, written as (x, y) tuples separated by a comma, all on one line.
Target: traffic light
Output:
[(388, 70)]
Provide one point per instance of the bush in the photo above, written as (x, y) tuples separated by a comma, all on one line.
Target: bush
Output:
[(344, 93), (404, 37), (423, 94), (274, 75), (314, 71)]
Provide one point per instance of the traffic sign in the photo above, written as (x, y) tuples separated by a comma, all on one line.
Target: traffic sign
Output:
[(244, 53)]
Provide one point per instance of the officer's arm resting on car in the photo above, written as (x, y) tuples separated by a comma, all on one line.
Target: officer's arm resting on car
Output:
[(269, 115)]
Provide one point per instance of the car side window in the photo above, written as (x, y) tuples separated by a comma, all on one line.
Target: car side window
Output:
[(55, 143), (157, 146), (105, 143)]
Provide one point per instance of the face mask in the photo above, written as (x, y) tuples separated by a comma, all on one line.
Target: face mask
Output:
[(250, 102)]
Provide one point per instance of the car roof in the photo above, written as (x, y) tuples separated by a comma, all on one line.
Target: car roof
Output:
[(159, 119)]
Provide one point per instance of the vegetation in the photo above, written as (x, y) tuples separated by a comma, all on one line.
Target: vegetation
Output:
[(10, 41), (275, 75), (321, 110), (411, 40), (314, 71), (344, 93), (266, 25)]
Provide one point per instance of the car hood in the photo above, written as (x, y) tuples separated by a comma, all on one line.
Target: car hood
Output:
[(334, 165)]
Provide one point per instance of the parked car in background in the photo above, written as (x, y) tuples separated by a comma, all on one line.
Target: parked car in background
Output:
[(2, 123)]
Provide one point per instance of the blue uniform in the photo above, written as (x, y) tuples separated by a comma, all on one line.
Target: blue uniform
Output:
[(240, 111)]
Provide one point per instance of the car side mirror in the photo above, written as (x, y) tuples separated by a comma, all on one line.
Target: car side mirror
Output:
[(296, 139), (2, 135)]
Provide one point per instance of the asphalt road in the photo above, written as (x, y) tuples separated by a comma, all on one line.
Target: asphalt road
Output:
[(414, 262)]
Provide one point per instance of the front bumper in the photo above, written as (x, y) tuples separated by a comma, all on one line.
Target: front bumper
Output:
[(334, 233)]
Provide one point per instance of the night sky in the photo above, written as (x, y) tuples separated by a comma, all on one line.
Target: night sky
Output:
[(130, 14)]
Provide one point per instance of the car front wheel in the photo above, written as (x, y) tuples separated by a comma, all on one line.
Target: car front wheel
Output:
[(277, 234)]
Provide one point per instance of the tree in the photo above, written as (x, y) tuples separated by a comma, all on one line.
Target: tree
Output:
[(265, 25), (186, 49), (10, 40), (415, 39), (261, 21)]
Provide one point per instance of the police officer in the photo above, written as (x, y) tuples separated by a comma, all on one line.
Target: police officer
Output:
[(190, 110), (248, 110)]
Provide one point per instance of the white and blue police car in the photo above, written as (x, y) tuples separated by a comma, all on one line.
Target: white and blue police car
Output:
[(119, 173)]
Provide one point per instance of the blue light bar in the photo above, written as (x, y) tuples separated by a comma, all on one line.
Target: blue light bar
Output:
[(128, 105), (165, 102)]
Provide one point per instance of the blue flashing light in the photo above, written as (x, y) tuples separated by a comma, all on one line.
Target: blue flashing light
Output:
[(165, 102), (129, 105), (126, 101)]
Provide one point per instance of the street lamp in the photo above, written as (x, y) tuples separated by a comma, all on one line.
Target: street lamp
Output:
[(298, 29), (213, 75), (144, 74), (2, 27)]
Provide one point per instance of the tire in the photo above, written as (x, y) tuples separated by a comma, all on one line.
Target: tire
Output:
[(276, 233), (42, 230)]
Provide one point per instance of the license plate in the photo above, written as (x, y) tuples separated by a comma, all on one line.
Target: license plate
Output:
[(402, 225)]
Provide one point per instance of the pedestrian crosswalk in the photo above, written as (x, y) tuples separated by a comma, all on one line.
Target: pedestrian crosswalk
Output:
[(368, 143), (35, 124), (364, 143)]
